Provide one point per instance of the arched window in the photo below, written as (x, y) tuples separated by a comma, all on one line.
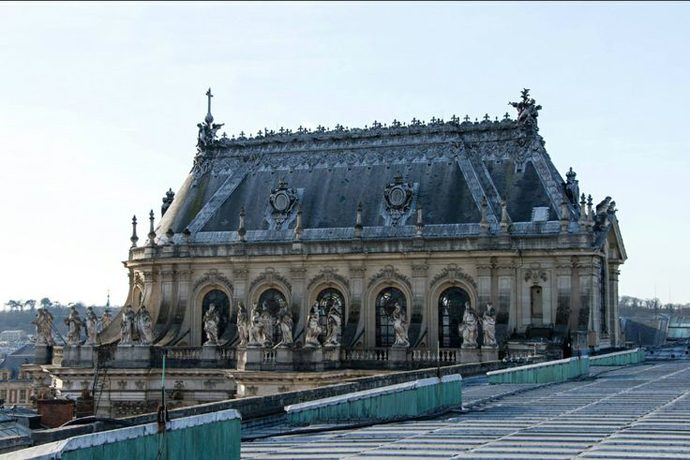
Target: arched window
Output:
[(270, 303), (220, 299), (451, 307), (536, 306), (385, 304)]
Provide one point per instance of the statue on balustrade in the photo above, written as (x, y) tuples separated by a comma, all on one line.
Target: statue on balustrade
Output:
[(242, 326), (400, 327), (74, 323), (468, 327), (91, 326), (313, 329), (127, 326), (285, 323), (44, 327), (269, 323), (334, 327), (144, 324), (489, 326), (211, 323), (257, 337), (106, 319)]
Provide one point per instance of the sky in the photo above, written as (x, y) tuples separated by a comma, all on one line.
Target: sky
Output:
[(99, 104)]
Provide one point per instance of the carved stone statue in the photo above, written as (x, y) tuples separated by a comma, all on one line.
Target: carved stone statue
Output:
[(285, 323), (127, 326), (144, 324), (242, 326), (74, 324), (269, 323), (311, 339), (528, 110), (211, 323), (257, 337), (44, 327), (106, 319), (489, 326), (572, 188), (468, 327), (91, 326), (400, 327), (334, 327)]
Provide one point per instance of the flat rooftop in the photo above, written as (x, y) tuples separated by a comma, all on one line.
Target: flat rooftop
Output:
[(634, 412)]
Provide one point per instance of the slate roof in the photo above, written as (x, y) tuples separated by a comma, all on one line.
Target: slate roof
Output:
[(14, 361), (450, 167)]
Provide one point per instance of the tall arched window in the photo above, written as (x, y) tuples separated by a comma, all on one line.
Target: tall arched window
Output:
[(270, 303), (451, 307), (385, 304), (220, 299)]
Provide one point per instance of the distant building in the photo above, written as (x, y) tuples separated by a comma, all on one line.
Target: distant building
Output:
[(16, 386), (13, 336)]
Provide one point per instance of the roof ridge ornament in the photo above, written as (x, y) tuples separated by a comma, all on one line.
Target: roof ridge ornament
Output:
[(527, 109), (207, 136)]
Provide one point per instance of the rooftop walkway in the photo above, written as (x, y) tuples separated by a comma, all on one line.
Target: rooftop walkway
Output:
[(636, 412)]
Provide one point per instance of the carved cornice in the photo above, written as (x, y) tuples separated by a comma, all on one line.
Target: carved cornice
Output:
[(269, 276), (328, 274), (389, 273), (453, 273), (213, 277)]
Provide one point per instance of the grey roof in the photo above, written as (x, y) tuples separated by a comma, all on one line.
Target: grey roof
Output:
[(14, 361), (449, 167)]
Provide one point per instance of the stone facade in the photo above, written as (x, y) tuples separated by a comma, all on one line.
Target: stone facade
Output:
[(343, 226)]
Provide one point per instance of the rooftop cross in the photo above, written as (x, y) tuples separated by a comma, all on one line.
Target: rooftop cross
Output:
[(209, 117)]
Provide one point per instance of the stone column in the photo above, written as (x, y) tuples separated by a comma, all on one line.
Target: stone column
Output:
[(357, 302), (614, 324), (418, 313)]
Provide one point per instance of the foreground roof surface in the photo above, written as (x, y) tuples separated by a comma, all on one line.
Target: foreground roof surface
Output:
[(631, 412)]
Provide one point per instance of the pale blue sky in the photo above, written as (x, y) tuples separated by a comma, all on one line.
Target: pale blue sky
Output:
[(99, 105)]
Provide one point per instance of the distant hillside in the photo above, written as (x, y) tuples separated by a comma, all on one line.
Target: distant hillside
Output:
[(21, 319)]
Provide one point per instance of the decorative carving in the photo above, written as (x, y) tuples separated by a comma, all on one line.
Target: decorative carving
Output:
[(468, 327), (328, 275), (536, 275), (489, 326), (243, 326), (106, 319), (419, 270), (91, 326), (44, 327), (572, 187), (334, 327), (282, 200), (285, 323), (211, 322), (400, 327), (207, 136), (269, 276), (527, 109), (213, 277), (398, 197), (389, 273), (74, 324), (313, 328), (127, 326), (144, 326), (453, 273), (257, 337), (167, 201)]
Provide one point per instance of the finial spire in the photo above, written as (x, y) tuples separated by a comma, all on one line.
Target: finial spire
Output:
[(209, 117), (134, 238), (152, 233)]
